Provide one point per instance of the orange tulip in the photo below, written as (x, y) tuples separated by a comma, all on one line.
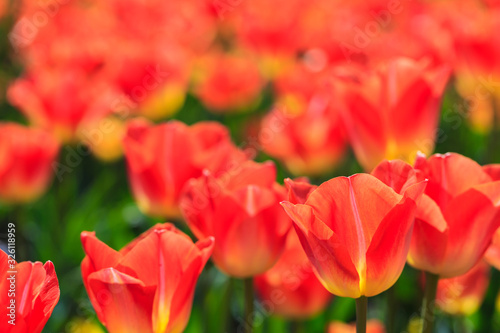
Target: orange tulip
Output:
[(292, 277), (241, 210), (356, 231), (392, 111), (26, 158), (372, 326), (162, 158), (28, 294), (148, 286), (456, 218), (464, 294), (492, 255)]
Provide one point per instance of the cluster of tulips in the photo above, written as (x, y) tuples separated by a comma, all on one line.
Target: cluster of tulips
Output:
[(105, 77)]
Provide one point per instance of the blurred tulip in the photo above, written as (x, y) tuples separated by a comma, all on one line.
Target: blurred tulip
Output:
[(392, 111), (372, 326), (241, 210), (292, 276), (456, 217), (463, 295), (26, 158), (356, 231), (304, 130), (147, 286), (28, 294), (228, 82), (162, 158), (61, 100)]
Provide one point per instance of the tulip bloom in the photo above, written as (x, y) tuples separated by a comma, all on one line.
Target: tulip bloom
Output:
[(26, 158), (162, 158), (148, 286), (372, 326), (356, 231), (464, 294), (392, 111), (457, 217), (292, 277), (241, 210), (36, 294)]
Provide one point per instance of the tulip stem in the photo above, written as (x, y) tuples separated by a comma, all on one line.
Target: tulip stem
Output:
[(248, 285), (431, 282), (361, 309)]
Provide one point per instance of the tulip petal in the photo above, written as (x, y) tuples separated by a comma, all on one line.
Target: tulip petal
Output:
[(493, 170), (396, 174), (98, 253), (254, 199), (46, 300), (326, 252), (492, 255), (298, 191), (250, 173), (337, 202), (386, 255), (450, 175), (125, 302), (473, 218)]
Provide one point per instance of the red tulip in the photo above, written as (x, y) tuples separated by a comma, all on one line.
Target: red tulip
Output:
[(162, 158), (456, 218), (292, 276), (356, 231), (241, 210), (148, 286), (28, 294), (372, 326), (26, 158), (392, 111), (464, 294)]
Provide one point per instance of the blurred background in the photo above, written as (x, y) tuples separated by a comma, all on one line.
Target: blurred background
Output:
[(285, 77)]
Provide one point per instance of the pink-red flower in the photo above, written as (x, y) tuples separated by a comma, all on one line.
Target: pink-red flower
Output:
[(26, 158), (162, 158), (356, 231), (28, 294), (147, 286), (241, 210)]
